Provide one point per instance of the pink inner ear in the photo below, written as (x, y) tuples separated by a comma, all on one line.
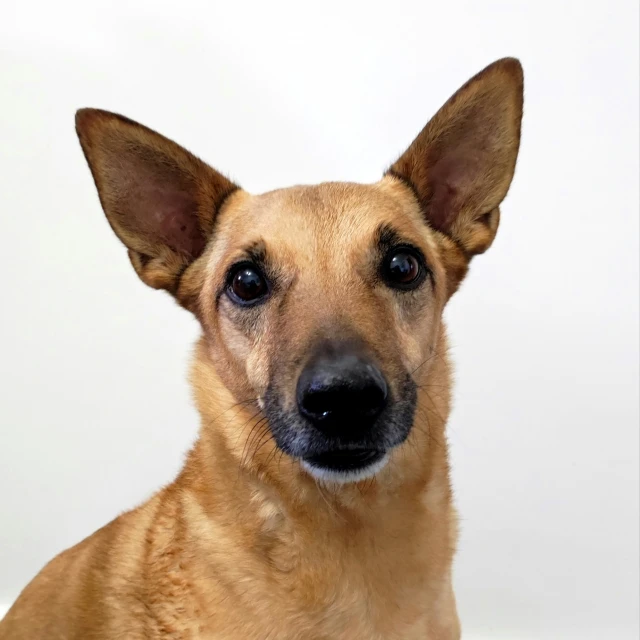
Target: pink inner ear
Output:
[(159, 204), (451, 180), (171, 218)]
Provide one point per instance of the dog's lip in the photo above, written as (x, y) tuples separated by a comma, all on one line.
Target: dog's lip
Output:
[(345, 459)]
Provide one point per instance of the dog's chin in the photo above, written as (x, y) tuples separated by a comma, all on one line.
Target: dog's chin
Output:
[(345, 465)]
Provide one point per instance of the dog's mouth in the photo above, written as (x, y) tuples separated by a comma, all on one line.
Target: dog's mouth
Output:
[(345, 459), (345, 465)]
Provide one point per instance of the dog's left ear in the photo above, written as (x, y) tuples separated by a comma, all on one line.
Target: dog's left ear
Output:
[(160, 200), (461, 164)]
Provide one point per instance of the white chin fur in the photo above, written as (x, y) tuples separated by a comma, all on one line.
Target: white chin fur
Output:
[(345, 477)]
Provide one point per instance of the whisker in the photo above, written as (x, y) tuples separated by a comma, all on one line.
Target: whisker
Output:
[(255, 437), (327, 501), (266, 436), (234, 405), (427, 423), (254, 432), (271, 455)]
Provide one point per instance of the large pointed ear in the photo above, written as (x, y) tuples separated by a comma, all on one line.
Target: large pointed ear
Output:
[(160, 199), (461, 164)]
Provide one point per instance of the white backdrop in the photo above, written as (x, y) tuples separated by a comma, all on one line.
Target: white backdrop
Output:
[(95, 412)]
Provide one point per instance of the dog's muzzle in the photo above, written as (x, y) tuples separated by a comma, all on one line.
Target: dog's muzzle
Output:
[(345, 420)]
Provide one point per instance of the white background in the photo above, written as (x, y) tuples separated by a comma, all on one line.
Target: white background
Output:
[(95, 411)]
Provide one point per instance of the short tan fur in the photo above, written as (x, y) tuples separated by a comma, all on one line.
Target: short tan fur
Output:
[(247, 543)]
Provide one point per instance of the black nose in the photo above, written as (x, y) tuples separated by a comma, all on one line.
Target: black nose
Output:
[(342, 393)]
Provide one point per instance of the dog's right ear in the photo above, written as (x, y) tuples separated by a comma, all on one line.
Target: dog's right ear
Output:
[(159, 199), (461, 164)]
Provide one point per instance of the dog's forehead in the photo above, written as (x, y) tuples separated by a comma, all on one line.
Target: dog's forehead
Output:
[(342, 210), (346, 213)]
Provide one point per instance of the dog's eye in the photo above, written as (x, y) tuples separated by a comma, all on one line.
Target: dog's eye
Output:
[(246, 284), (403, 268)]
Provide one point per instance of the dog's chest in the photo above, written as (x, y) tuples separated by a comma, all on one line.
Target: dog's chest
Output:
[(332, 606), (326, 586)]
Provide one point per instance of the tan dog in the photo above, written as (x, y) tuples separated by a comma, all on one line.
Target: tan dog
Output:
[(316, 502)]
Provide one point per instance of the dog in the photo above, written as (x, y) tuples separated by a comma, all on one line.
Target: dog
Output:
[(316, 503)]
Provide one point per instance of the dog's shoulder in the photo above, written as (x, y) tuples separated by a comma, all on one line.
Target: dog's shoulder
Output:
[(76, 590)]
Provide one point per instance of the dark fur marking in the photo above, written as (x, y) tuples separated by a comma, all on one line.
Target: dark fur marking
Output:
[(177, 281), (219, 203), (144, 259)]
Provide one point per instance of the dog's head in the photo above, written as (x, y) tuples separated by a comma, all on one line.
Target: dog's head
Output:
[(321, 304)]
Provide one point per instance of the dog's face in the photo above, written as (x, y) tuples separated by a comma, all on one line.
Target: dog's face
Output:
[(321, 304), (321, 301)]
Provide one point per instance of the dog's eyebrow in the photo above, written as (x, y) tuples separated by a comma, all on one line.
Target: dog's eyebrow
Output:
[(387, 237), (256, 252)]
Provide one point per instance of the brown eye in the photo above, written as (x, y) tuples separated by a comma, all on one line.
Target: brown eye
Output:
[(403, 269), (247, 285)]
